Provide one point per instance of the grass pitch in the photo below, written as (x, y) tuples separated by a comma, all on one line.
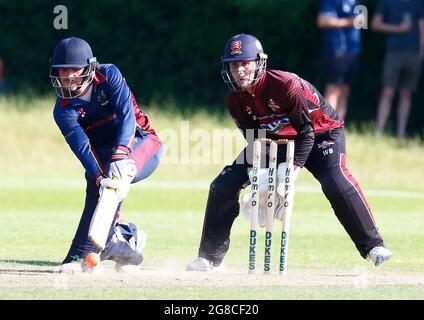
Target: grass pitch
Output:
[(43, 196)]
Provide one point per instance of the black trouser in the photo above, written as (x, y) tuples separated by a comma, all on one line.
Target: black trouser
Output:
[(327, 163)]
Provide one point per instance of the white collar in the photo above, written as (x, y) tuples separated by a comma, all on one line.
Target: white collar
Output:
[(87, 95)]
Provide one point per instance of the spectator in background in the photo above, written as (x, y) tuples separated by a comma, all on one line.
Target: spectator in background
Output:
[(403, 22), (341, 50), (4, 83)]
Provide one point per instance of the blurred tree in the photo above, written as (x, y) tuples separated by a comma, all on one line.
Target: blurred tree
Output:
[(171, 49)]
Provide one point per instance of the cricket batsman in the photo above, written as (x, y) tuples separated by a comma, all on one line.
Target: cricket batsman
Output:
[(111, 137), (280, 105)]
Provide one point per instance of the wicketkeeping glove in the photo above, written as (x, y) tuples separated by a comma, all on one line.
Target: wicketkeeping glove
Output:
[(280, 209), (246, 201)]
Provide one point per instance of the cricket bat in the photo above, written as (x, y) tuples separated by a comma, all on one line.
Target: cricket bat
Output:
[(103, 217)]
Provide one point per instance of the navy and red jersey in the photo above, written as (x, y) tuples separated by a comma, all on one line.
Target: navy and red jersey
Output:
[(109, 118), (287, 107)]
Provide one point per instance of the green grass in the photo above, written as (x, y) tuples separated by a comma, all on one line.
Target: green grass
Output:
[(43, 196), (244, 293)]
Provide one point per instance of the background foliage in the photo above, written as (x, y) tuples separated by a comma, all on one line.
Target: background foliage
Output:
[(170, 50)]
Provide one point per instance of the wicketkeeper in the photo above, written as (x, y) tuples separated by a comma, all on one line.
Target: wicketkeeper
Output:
[(110, 135), (280, 105)]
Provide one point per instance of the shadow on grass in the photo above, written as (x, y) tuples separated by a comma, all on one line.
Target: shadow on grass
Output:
[(40, 263), (12, 270), (21, 272)]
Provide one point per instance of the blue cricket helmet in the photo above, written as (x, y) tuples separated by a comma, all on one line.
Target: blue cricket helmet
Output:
[(72, 53), (242, 47)]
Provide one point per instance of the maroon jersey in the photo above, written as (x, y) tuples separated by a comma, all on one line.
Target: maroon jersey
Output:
[(287, 107)]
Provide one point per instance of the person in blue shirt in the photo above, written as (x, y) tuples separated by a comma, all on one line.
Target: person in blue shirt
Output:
[(5, 84), (111, 136), (341, 50), (403, 23)]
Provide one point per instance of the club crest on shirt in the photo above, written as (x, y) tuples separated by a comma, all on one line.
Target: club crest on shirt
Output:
[(81, 111), (272, 105), (102, 98), (235, 47), (250, 113)]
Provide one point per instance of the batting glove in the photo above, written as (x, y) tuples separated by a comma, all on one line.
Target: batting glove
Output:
[(109, 183), (124, 170)]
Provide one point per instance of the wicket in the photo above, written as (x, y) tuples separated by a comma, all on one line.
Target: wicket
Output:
[(270, 210)]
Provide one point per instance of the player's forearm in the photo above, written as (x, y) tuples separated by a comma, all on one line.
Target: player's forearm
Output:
[(326, 22), (304, 143), (120, 153), (87, 156), (385, 28), (421, 26), (422, 49), (378, 25)]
